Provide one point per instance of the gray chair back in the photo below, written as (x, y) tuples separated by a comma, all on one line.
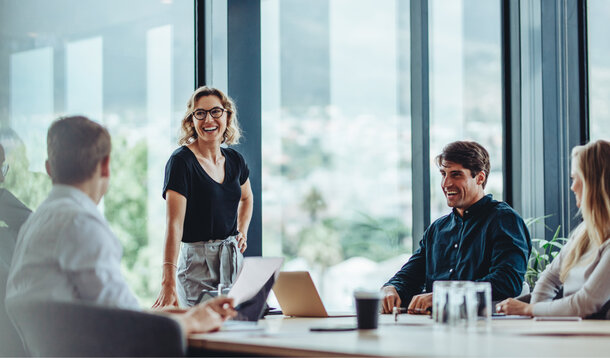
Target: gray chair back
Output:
[(10, 343), (85, 329)]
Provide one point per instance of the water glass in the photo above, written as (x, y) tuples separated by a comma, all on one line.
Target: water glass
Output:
[(462, 304), (454, 303), (483, 299), (440, 301)]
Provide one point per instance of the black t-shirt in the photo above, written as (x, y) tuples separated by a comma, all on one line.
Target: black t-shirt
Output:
[(211, 207)]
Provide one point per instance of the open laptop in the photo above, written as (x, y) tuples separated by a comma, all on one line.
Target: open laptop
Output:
[(297, 296)]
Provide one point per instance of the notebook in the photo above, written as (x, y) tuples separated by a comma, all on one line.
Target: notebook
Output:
[(250, 289), (250, 310), (298, 296)]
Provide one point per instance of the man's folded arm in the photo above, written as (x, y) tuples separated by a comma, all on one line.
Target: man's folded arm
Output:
[(509, 256)]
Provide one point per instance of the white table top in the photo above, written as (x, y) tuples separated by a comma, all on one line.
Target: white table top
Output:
[(415, 336)]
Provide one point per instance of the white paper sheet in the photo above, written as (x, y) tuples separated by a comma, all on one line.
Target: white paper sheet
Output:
[(254, 273)]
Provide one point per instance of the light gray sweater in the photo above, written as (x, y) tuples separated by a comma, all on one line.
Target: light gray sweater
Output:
[(586, 290)]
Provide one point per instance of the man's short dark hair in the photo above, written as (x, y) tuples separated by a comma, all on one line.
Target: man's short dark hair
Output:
[(75, 146), (471, 155)]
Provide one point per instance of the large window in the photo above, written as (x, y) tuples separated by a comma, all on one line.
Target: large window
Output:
[(336, 140), (336, 124), (465, 85), (598, 12), (128, 65)]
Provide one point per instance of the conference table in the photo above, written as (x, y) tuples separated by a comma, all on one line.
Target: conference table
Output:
[(411, 336)]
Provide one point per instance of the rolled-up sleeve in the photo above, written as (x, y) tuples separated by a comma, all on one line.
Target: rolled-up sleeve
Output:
[(91, 256)]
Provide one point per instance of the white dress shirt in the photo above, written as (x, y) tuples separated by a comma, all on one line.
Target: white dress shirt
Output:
[(66, 252)]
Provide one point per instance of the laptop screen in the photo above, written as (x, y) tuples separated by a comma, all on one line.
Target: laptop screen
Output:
[(251, 287), (254, 308)]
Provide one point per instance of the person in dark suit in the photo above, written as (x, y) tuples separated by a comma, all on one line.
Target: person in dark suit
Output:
[(13, 213)]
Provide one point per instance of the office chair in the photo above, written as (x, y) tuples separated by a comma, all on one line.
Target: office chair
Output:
[(10, 343), (85, 329)]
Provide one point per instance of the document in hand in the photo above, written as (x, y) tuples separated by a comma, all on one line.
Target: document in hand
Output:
[(252, 286)]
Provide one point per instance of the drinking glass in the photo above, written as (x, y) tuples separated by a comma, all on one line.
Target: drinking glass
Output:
[(440, 301), (483, 299), (454, 303)]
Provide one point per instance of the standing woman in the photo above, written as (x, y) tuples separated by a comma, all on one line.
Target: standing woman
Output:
[(583, 264), (208, 202)]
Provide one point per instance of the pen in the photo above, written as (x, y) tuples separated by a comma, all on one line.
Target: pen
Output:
[(419, 311), (396, 311)]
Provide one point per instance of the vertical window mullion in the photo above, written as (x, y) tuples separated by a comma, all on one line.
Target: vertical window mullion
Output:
[(420, 119)]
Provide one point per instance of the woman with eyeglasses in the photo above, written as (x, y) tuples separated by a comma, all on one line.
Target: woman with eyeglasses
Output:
[(583, 264), (208, 199)]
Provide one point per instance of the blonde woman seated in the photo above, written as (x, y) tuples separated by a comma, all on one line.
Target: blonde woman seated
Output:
[(583, 265)]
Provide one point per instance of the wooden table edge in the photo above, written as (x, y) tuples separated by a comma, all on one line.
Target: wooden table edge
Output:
[(268, 350)]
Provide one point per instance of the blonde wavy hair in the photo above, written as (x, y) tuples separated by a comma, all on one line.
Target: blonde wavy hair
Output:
[(187, 131), (591, 163)]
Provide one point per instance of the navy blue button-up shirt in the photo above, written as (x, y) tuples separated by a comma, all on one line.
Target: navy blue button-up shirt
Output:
[(489, 243)]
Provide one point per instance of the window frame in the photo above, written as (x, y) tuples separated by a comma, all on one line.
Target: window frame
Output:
[(550, 32)]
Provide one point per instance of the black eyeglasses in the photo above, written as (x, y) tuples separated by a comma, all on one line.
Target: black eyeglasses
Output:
[(4, 169), (215, 112)]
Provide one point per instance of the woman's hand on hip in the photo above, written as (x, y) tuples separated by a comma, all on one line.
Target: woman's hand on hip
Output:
[(242, 243), (167, 297)]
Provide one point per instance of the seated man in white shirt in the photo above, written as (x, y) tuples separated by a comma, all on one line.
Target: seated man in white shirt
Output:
[(66, 251)]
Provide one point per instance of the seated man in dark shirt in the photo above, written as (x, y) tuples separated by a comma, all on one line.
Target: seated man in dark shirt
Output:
[(13, 213), (480, 240)]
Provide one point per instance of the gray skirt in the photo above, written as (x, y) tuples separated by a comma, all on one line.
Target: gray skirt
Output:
[(205, 264)]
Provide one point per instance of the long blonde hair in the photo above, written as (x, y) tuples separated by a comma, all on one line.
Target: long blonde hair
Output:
[(591, 163), (187, 131)]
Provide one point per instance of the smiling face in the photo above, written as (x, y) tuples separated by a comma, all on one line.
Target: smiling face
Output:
[(576, 185), (210, 129), (459, 187)]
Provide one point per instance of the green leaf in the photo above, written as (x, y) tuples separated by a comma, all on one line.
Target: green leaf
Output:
[(543, 251), (556, 244), (531, 221), (556, 235)]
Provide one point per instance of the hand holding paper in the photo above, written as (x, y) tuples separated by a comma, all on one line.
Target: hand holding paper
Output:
[(255, 272)]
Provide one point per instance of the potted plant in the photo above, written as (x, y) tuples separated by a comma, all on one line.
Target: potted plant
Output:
[(543, 252)]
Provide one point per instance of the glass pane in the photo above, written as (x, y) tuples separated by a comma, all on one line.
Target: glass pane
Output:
[(128, 65), (336, 140), (598, 29), (465, 86)]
